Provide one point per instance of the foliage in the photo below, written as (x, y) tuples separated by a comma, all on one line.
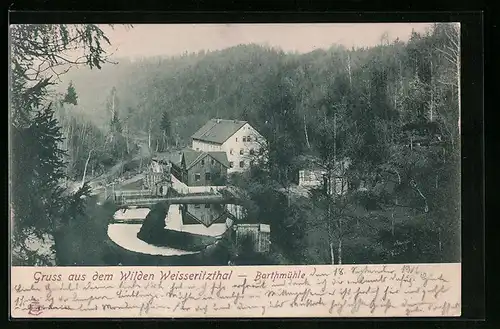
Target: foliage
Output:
[(40, 206), (71, 97)]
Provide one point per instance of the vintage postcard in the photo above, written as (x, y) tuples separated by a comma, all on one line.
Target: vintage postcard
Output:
[(235, 170)]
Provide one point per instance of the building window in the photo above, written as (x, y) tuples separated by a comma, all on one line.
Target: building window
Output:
[(244, 139), (249, 139), (207, 176), (252, 152), (202, 162), (213, 161), (197, 177), (242, 164), (231, 151), (231, 164), (302, 175), (241, 151), (207, 205), (236, 138)]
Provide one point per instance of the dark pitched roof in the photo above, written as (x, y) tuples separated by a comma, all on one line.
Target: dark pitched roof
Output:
[(221, 157), (218, 130), (191, 157)]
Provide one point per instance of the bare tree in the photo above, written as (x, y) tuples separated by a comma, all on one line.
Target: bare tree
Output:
[(85, 168), (451, 52)]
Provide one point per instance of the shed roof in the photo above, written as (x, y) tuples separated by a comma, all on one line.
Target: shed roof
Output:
[(218, 130)]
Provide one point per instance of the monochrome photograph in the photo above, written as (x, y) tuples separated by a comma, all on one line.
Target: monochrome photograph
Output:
[(234, 144)]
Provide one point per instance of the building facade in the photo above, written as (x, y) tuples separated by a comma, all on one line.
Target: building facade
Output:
[(201, 219), (157, 176), (201, 168), (238, 139), (337, 183), (259, 236)]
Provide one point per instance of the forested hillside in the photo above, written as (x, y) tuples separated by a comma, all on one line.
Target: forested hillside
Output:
[(392, 109), (243, 81)]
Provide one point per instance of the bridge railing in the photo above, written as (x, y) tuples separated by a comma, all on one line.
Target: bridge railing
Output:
[(128, 193), (143, 202), (126, 196)]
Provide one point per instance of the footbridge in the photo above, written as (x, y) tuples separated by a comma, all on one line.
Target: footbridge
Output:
[(146, 199)]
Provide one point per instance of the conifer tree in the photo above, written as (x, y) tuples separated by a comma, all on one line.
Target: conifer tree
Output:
[(71, 97), (166, 128)]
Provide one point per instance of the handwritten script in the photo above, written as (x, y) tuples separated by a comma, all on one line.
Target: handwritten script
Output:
[(250, 291)]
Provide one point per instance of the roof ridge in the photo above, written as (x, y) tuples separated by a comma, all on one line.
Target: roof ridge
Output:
[(209, 129), (232, 120), (218, 130), (198, 158), (211, 154)]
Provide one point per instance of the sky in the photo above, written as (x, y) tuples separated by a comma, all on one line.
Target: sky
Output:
[(144, 40)]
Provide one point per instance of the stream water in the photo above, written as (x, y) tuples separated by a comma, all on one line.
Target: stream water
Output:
[(125, 234)]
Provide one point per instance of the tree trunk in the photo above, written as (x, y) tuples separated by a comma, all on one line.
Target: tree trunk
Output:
[(330, 224), (149, 135), (85, 168), (332, 256), (335, 139), (392, 223), (113, 105), (349, 69), (126, 139), (440, 242), (305, 133), (431, 105), (415, 186), (305, 124), (340, 251)]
